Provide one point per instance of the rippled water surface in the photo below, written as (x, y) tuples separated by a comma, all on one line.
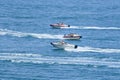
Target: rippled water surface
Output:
[(25, 36)]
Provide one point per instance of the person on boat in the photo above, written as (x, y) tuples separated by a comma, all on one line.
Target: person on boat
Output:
[(62, 42)]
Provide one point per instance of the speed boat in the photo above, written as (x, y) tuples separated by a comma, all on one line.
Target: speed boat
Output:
[(63, 45), (72, 36), (59, 25)]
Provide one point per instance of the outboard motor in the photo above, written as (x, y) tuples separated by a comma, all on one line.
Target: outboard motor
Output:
[(68, 25), (75, 46), (80, 36)]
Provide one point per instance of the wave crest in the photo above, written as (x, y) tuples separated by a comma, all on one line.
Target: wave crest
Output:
[(39, 59)]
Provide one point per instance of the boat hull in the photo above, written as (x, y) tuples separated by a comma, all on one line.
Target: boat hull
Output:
[(59, 26), (63, 46), (72, 37)]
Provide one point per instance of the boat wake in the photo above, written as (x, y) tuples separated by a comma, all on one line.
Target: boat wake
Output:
[(39, 59), (35, 35), (91, 49), (93, 27)]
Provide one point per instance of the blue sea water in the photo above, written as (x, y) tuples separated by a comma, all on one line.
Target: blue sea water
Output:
[(25, 36)]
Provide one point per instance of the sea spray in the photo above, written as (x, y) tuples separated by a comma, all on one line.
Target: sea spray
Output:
[(35, 35), (92, 49), (93, 27)]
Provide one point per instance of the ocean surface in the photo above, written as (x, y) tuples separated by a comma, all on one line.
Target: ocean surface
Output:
[(25, 36)]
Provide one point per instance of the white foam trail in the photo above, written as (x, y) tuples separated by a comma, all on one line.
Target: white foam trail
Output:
[(91, 49), (39, 59), (71, 27), (94, 27), (21, 34)]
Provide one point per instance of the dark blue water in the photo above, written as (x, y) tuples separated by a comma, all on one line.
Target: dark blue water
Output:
[(25, 36)]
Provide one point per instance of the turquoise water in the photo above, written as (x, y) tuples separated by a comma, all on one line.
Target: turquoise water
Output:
[(25, 36)]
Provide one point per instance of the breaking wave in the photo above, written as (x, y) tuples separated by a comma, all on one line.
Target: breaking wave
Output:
[(91, 49), (93, 27), (35, 35), (39, 59)]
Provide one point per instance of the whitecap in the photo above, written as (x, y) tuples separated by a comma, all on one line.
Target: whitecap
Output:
[(39, 59)]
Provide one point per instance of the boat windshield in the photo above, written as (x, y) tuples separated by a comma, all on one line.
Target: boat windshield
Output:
[(62, 42)]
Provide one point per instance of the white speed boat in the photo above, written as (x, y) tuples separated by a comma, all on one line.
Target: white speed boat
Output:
[(72, 36), (63, 45), (59, 25)]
